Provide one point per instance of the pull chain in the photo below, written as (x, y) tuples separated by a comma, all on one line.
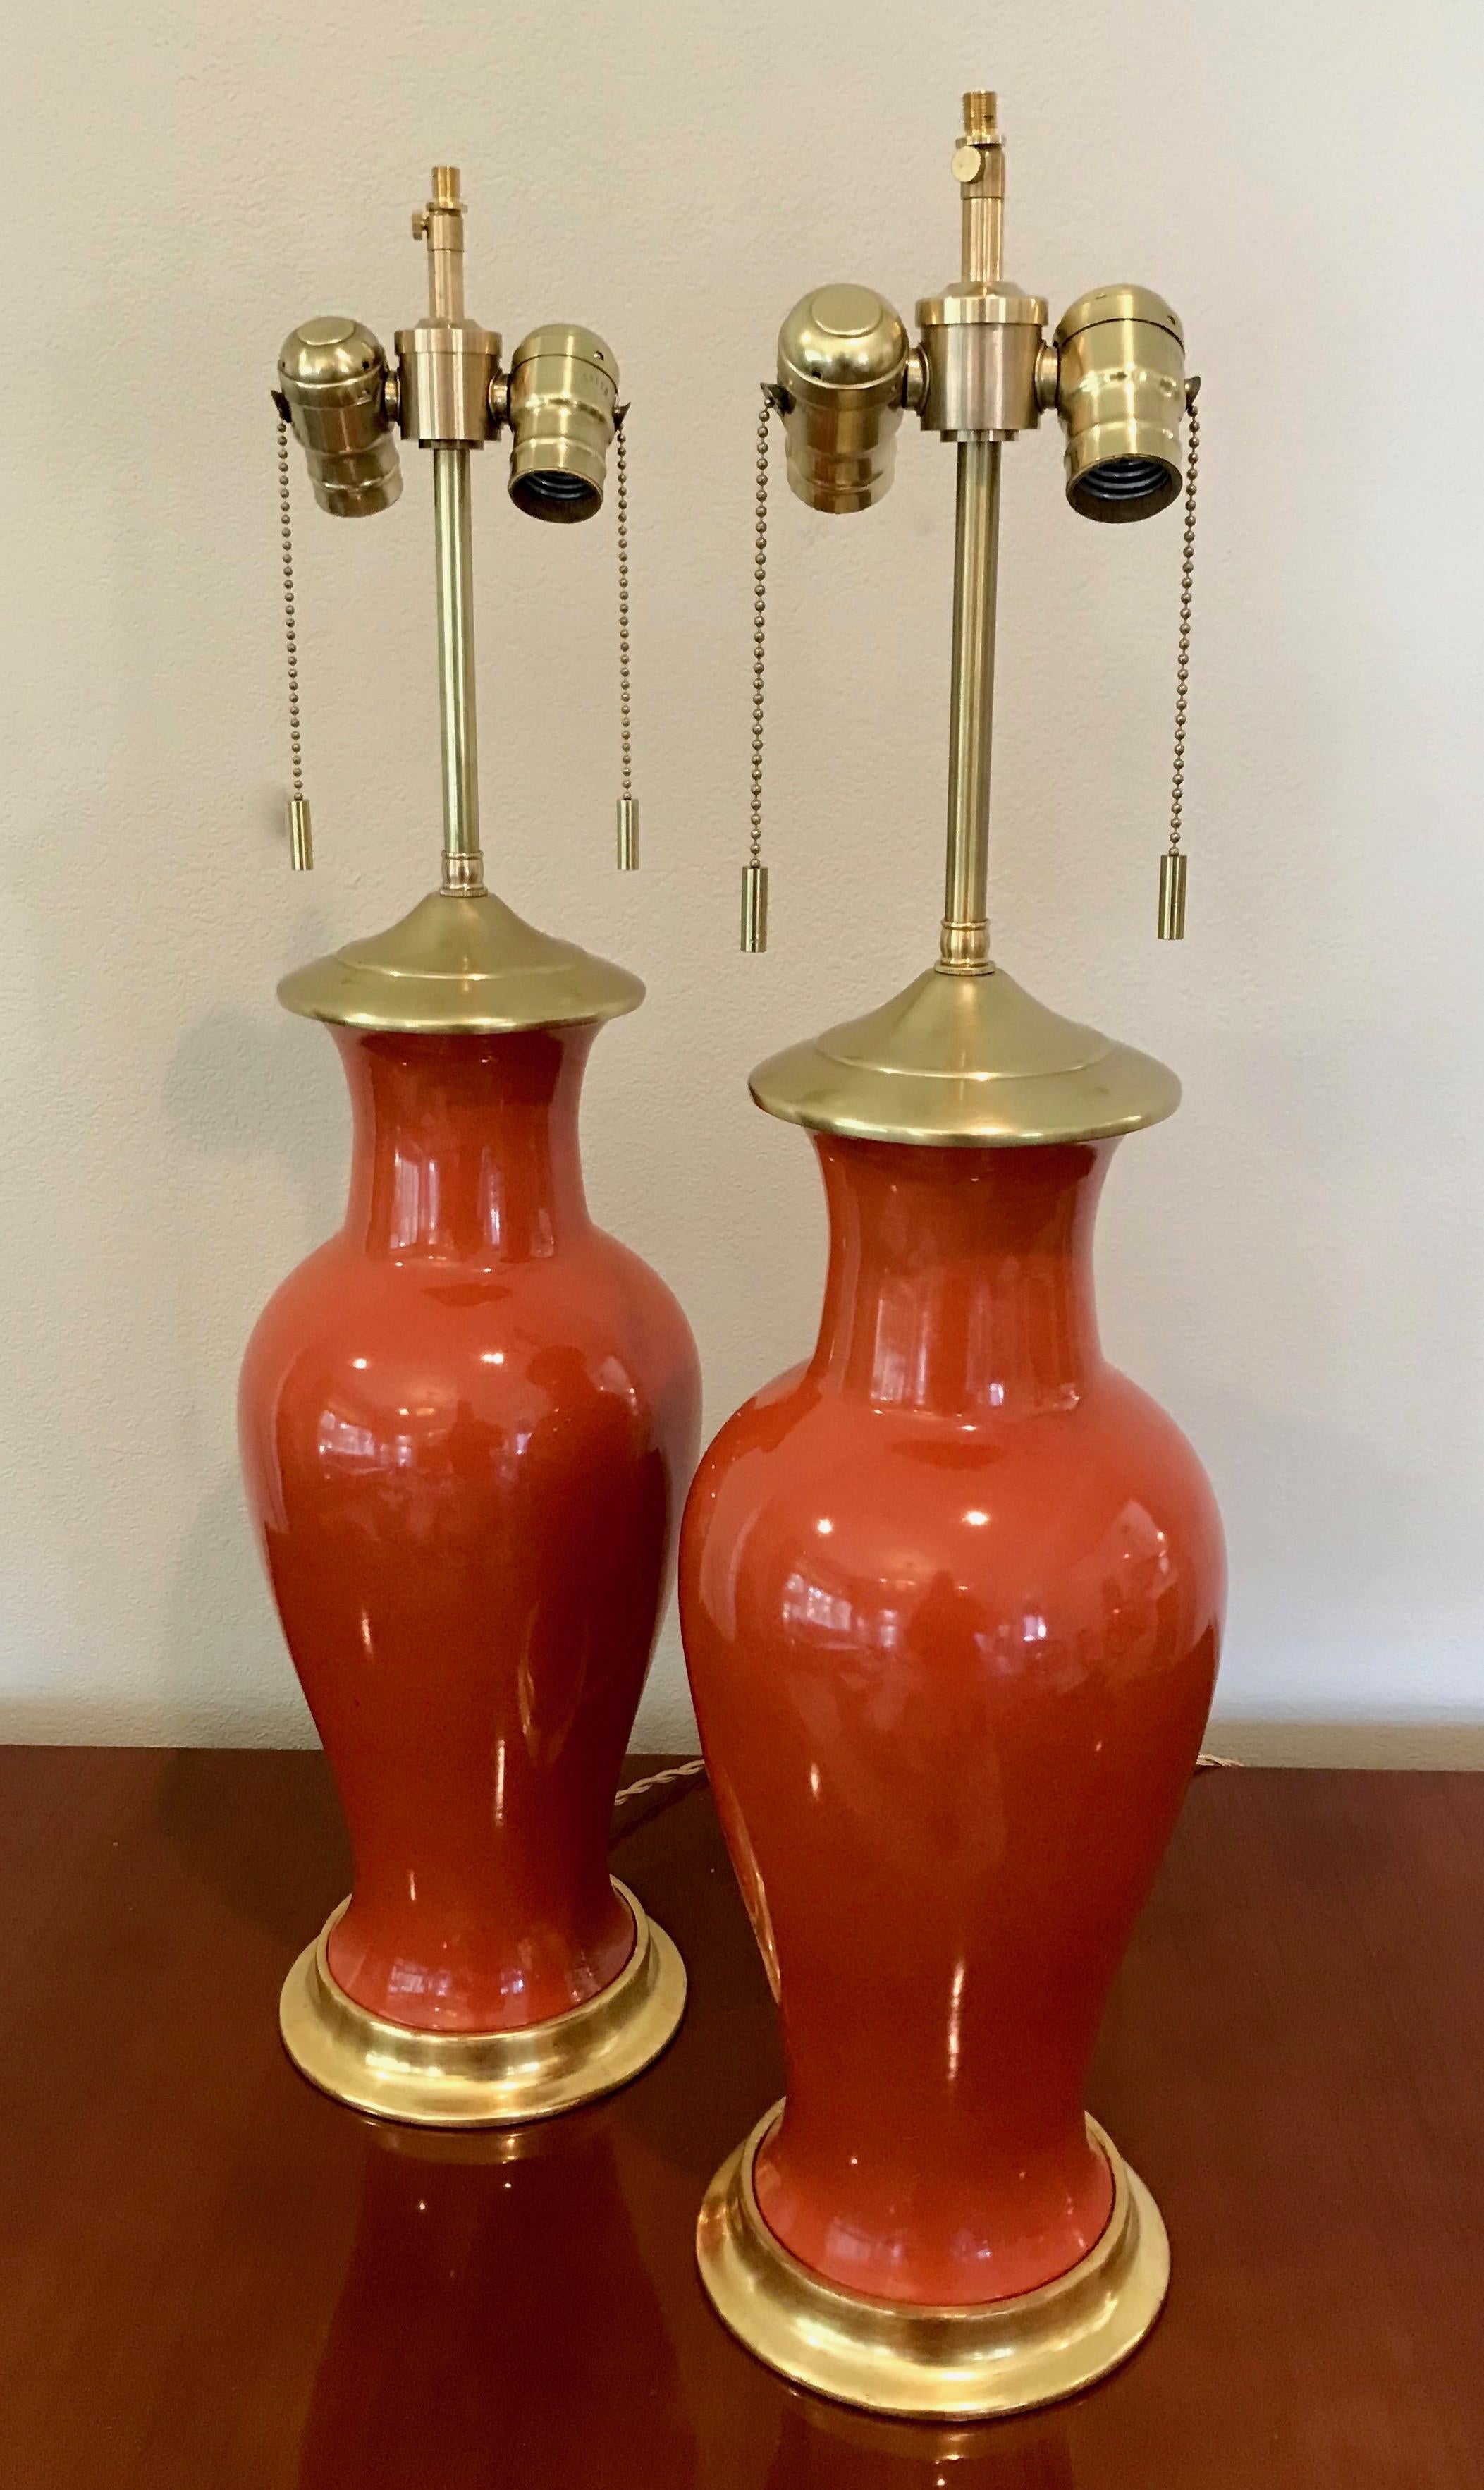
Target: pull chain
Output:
[(755, 873), (1172, 864), (628, 802), (301, 831)]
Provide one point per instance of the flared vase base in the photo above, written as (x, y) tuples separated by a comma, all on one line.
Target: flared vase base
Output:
[(484, 2078), (962, 2363)]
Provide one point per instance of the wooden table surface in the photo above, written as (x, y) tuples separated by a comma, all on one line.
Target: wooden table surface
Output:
[(211, 2279)]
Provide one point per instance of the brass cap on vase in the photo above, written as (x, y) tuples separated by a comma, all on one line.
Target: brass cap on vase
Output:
[(461, 964), (966, 1060)]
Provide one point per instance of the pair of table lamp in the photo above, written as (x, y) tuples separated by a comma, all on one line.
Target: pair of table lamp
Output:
[(950, 1592)]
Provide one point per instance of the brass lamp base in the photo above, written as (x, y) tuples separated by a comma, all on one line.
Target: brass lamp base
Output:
[(1001, 2356), (483, 2078)]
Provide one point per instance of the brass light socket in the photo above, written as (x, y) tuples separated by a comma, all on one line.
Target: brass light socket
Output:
[(332, 392), (563, 401), (1121, 394), (842, 370)]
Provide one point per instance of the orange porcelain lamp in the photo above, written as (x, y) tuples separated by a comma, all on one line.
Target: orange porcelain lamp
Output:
[(952, 1594), (467, 1425)]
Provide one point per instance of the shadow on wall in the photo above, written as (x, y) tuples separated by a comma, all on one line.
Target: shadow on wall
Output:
[(259, 1092), (221, 1644), (263, 1095), (1354, 1746), (251, 1090), (225, 1678), (1350, 1626)]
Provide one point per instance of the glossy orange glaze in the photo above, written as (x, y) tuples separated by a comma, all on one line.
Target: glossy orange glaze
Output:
[(467, 1421), (951, 1596)]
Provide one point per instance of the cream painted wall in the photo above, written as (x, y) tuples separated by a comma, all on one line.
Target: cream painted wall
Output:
[(1293, 1266)]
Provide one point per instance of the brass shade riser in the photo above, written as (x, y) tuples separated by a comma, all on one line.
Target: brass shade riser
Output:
[(964, 1057)]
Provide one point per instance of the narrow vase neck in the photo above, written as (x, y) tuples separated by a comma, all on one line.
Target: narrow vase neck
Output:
[(466, 1147), (959, 1280)]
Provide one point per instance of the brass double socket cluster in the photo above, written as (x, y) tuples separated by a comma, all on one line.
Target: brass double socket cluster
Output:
[(557, 400), (983, 369)]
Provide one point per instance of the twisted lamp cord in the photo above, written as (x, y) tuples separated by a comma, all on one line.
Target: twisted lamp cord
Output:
[(693, 1769)]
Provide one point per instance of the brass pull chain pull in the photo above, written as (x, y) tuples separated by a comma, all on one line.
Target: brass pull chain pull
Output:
[(301, 831), (628, 802), (755, 873), (1172, 864)]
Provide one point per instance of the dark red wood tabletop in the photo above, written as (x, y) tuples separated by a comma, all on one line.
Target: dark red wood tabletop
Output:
[(211, 2279)]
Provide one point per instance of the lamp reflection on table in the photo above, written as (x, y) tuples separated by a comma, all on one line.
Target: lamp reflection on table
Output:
[(520, 2307), (828, 2447), (496, 2324)]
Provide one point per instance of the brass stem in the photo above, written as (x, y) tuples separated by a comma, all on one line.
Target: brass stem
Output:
[(984, 237), (443, 225), (983, 258), (440, 224), (463, 864), (965, 940)]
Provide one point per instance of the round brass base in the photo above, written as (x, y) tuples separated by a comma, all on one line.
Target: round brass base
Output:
[(483, 2078), (1001, 2356)]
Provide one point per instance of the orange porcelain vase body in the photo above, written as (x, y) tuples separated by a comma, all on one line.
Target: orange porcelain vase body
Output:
[(466, 1422), (952, 1597)]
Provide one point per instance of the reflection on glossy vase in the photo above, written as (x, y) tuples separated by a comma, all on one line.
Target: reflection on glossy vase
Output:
[(465, 1423), (951, 1596), (497, 2325)]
